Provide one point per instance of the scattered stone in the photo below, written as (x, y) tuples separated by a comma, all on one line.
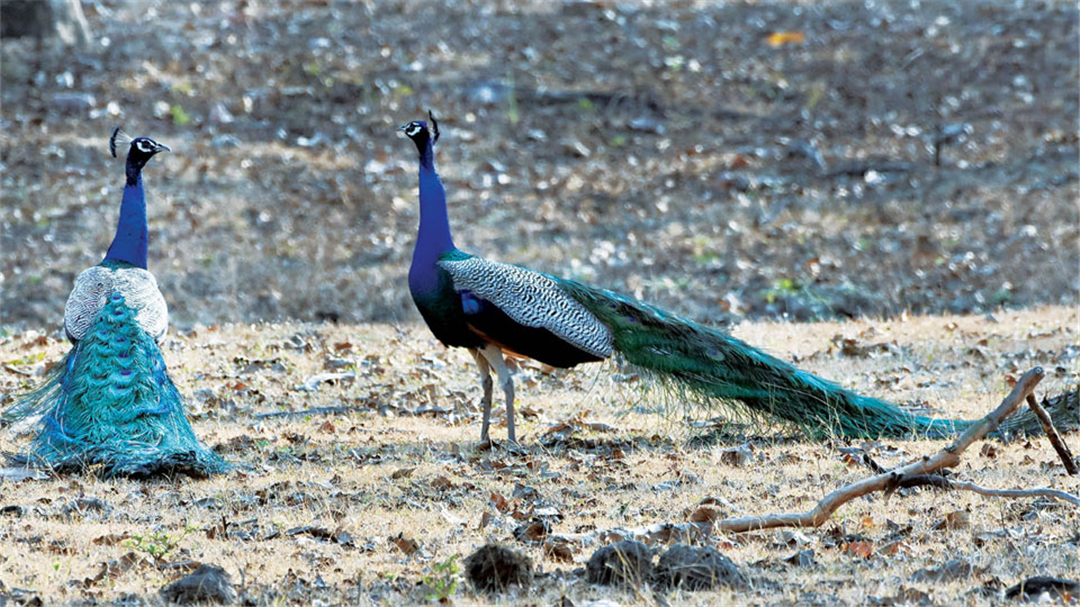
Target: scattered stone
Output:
[(209, 584), (86, 505), (494, 568), (628, 562), (73, 102), (803, 558), (955, 569), (533, 531), (738, 456), (696, 568)]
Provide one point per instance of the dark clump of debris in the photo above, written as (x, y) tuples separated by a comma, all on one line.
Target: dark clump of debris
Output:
[(494, 568), (696, 568), (208, 584), (628, 562), (1035, 586)]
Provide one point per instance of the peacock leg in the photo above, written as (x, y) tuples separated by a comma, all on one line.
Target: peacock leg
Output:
[(485, 381), (494, 357)]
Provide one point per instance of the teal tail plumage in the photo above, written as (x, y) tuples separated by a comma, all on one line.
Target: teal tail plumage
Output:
[(715, 367), (109, 405)]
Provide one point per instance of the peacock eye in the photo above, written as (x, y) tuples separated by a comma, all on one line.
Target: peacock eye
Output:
[(413, 130), (144, 146)]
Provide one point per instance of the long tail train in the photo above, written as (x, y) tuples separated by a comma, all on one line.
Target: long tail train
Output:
[(715, 366), (109, 404)]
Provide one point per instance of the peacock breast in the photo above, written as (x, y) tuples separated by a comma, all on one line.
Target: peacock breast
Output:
[(93, 288)]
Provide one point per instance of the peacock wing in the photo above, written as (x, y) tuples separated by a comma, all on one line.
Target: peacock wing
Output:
[(530, 299), (93, 288)]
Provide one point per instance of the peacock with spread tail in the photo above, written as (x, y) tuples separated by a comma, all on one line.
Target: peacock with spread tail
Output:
[(493, 308), (109, 404)]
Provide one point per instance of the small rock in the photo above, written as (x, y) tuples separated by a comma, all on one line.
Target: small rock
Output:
[(86, 505), (494, 568), (803, 558), (74, 102), (209, 584), (953, 570), (576, 148), (646, 124), (219, 114), (627, 562), (807, 149), (696, 568), (533, 531), (737, 456)]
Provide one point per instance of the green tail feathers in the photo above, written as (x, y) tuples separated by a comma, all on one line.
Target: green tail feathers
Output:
[(716, 367), (110, 404)]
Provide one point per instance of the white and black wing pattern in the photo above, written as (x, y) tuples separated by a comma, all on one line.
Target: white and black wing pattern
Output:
[(93, 287), (531, 299)]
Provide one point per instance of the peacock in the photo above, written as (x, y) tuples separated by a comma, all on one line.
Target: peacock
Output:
[(109, 405), (493, 309)]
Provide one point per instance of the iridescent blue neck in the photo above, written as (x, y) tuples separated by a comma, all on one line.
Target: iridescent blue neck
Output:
[(433, 238), (132, 235)]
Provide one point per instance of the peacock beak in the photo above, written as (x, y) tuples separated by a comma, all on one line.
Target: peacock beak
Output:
[(161, 147)]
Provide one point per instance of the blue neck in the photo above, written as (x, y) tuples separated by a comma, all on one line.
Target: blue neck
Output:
[(433, 239), (130, 243)]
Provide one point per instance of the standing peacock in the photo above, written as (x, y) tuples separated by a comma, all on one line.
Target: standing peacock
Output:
[(491, 308), (109, 404)]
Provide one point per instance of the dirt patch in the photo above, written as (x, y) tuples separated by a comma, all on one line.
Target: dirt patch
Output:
[(374, 489), (764, 159)]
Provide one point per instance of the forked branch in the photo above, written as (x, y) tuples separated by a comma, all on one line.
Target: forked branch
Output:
[(949, 457)]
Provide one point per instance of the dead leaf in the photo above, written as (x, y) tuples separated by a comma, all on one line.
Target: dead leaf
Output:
[(110, 539), (777, 39), (953, 570), (441, 482), (404, 544), (501, 504), (402, 472), (560, 549), (958, 519), (859, 549)]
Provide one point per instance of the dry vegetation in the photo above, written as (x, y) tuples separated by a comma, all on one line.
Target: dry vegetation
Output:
[(665, 150), (398, 464)]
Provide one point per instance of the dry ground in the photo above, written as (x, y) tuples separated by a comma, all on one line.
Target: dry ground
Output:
[(666, 150), (403, 465)]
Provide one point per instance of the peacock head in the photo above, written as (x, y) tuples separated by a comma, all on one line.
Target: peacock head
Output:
[(417, 130), (142, 149)]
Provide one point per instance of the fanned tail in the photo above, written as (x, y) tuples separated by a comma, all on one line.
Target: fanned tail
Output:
[(110, 404), (717, 367)]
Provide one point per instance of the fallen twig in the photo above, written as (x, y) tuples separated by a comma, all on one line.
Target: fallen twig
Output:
[(1052, 433), (941, 482), (925, 471), (948, 457)]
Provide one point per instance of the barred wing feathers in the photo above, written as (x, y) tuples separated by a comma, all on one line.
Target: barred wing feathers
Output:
[(530, 299)]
